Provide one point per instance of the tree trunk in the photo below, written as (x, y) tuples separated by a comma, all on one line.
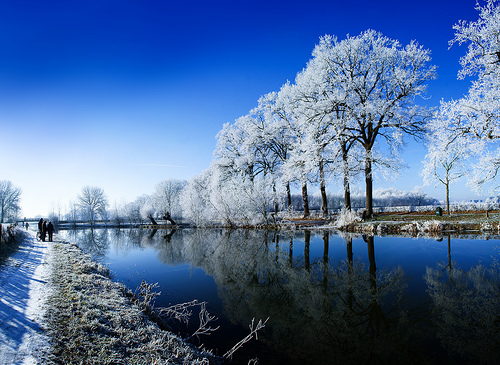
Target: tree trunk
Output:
[(324, 201), (167, 217), (153, 222), (275, 199), (347, 188), (305, 200), (288, 196), (369, 185), (448, 197)]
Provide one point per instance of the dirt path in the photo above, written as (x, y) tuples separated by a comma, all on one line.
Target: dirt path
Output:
[(23, 288)]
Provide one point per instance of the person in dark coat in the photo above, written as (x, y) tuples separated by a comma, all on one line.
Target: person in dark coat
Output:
[(40, 226), (44, 230), (50, 231)]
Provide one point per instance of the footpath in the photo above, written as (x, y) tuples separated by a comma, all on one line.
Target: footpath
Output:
[(23, 288)]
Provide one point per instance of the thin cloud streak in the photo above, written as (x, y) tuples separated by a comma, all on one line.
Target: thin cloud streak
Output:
[(159, 165)]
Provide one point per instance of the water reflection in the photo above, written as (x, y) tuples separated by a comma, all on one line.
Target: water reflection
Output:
[(327, 299), (466, 308)]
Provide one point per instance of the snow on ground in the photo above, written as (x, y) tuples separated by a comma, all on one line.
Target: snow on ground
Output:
[(23, 289)]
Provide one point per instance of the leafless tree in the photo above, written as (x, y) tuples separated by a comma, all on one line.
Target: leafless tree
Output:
[(10, 197), (166, 196), (93, 202)]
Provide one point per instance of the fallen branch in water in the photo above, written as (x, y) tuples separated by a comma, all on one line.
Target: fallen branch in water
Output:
[(182, 313), (253, 331)]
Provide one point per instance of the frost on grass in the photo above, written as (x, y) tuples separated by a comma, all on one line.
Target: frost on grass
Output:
[(93, 320)]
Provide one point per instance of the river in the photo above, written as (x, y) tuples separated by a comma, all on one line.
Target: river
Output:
[(329, 298)]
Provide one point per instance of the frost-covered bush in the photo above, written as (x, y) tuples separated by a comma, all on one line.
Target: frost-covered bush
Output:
[(431, 226), (347, 217)]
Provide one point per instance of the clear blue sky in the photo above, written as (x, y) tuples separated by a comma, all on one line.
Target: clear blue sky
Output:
[(123, 94)]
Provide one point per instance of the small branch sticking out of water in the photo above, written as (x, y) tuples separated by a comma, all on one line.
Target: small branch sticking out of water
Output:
[(205, 319), (179, 312)]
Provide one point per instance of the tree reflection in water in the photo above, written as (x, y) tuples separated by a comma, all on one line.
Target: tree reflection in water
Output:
[(324, 310), (466, 308)]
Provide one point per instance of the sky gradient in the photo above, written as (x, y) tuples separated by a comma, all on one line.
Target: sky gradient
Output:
[(123, 94)]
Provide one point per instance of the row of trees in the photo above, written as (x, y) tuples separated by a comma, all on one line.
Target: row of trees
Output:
[(464, 133), (173, 198), (345, 114), (92, 204)]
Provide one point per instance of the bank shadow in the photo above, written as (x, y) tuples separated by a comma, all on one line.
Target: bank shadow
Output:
[(16, 276)]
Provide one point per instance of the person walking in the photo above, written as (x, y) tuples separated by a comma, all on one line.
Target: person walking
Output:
[(44, 230), (50, 231), (40, 227)]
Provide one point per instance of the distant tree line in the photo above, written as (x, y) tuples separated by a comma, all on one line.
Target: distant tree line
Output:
[(173, 198)]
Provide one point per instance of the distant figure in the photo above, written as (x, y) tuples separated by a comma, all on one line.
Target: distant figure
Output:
[(50, 231), (44, 230), (27, 225)]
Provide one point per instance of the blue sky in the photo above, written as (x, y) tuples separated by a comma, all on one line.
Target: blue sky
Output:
[(123, 94)]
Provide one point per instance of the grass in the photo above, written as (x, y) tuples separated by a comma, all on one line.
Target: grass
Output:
[(8, 247), (93, 320)]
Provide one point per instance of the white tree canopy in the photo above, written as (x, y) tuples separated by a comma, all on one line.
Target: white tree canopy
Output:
[(92, 202), (475, 117), (10, 197), (376, 79)]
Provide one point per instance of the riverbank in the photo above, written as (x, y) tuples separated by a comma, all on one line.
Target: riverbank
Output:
[(427, 224), (52, 293), (404, 224)]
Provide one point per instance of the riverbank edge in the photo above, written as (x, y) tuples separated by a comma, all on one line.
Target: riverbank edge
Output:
[(92, 319), (427, 227)]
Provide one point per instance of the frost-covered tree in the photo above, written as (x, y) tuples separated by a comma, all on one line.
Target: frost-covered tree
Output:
[(298, 167), (231, 155), (166, 197), (324, 102), (445, 160), (277, 137), (271, 145), (133, 209), (316, 137), (92, 203), (249, 154), (72, 213), (475, 117), (10, 197), (148, 211), (380, 79), (195, 200)]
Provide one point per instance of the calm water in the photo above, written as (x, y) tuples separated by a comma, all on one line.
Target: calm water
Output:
[(330, 299)]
